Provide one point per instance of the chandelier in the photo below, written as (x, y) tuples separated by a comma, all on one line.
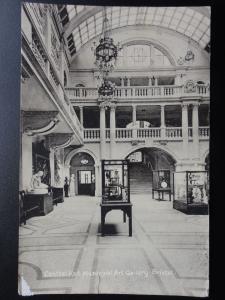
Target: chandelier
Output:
[(106, 90), (106, 51)]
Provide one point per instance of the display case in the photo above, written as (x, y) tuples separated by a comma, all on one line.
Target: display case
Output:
[(115, 181), (161, 183), (115, 191), (191, 191)]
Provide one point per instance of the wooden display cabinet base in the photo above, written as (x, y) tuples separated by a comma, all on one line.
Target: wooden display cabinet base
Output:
[(125, 207)]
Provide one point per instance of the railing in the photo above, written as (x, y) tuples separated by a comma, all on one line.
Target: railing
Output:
[(204, 132), (190, 131), (149, 132), (91, 134), (107, 133), (173, 132), (137, 92), (124, 133)]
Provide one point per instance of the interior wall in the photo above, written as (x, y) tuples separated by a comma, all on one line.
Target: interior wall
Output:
[(174, 42)]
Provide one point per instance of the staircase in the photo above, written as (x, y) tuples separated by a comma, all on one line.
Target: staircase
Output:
[(140, 179)]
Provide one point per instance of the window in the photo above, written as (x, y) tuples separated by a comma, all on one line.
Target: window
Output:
[(142, 56)]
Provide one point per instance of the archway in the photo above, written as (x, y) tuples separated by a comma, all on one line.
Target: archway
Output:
[(143, 162), (82, 174)]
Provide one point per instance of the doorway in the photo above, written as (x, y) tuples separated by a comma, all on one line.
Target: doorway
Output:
[(82, 166), (85, 182)]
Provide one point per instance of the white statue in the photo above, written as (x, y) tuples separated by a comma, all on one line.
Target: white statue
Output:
[(72, 185), (37, 187)]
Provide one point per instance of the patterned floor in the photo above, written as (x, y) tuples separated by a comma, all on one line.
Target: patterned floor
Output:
[(64, 252)]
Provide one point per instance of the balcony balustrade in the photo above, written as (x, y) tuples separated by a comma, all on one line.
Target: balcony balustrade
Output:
[(125, 134), (144, 92), (204, 132)]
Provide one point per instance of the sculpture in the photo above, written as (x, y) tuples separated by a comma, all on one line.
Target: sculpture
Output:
[(37, 187), (72, 185)]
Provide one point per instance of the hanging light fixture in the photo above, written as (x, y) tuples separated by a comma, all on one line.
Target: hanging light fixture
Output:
[(106, 51), (106, 90)]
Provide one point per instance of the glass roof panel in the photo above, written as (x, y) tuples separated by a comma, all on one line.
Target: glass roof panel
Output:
[(188, 21)]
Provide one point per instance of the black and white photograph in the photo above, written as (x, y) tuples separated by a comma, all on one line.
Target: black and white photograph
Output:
[(114, 186)]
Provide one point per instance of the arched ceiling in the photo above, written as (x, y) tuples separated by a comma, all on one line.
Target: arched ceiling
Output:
[(83, 23)]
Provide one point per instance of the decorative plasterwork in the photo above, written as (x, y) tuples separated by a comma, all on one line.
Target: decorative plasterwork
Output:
[(38, 122), (109, 103), (58, 140)]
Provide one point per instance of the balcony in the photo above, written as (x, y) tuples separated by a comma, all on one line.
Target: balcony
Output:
[(144, 92), (125, 134)]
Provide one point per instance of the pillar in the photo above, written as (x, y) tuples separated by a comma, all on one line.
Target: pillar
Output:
[(122, 81), (195, 130), (26, 162), (163, 126), (52, 166), (112, 130), (149, 81), (185, 130), (156, 81), (81, 116), (128, 81), (102, 132)]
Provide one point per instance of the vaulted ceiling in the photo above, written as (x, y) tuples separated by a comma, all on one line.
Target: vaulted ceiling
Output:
[(83, 23)]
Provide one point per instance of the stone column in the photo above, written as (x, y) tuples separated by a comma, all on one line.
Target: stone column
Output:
[(185, 130), (52, 166), (163, 126), (128, 81), (150, 81), (195, 130), (102, 131), (112, 130), (156, 81), (26, 162), (122, 81), (81, 116)]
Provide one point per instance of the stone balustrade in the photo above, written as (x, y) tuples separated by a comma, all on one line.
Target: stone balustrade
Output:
[(79, 93), (171, 133)]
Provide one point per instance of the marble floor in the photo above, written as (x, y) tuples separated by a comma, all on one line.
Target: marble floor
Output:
[(64, 252)]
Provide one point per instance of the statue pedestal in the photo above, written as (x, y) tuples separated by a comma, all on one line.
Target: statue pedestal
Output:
[(38, 192), (43, 201)]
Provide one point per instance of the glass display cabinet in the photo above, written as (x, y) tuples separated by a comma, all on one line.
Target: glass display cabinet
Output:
[(116, 190), (161, 183), (115, 181), (191, 191)]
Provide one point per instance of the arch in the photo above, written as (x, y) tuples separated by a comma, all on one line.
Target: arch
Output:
[(204, 156), (163, 148), (71, 154)]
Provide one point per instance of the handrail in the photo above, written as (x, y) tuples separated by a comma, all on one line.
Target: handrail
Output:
[(138, 91)]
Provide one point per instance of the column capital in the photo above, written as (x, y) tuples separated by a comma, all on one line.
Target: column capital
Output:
[(112, 106), (184, 105), (102, 105), (195, 104)]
